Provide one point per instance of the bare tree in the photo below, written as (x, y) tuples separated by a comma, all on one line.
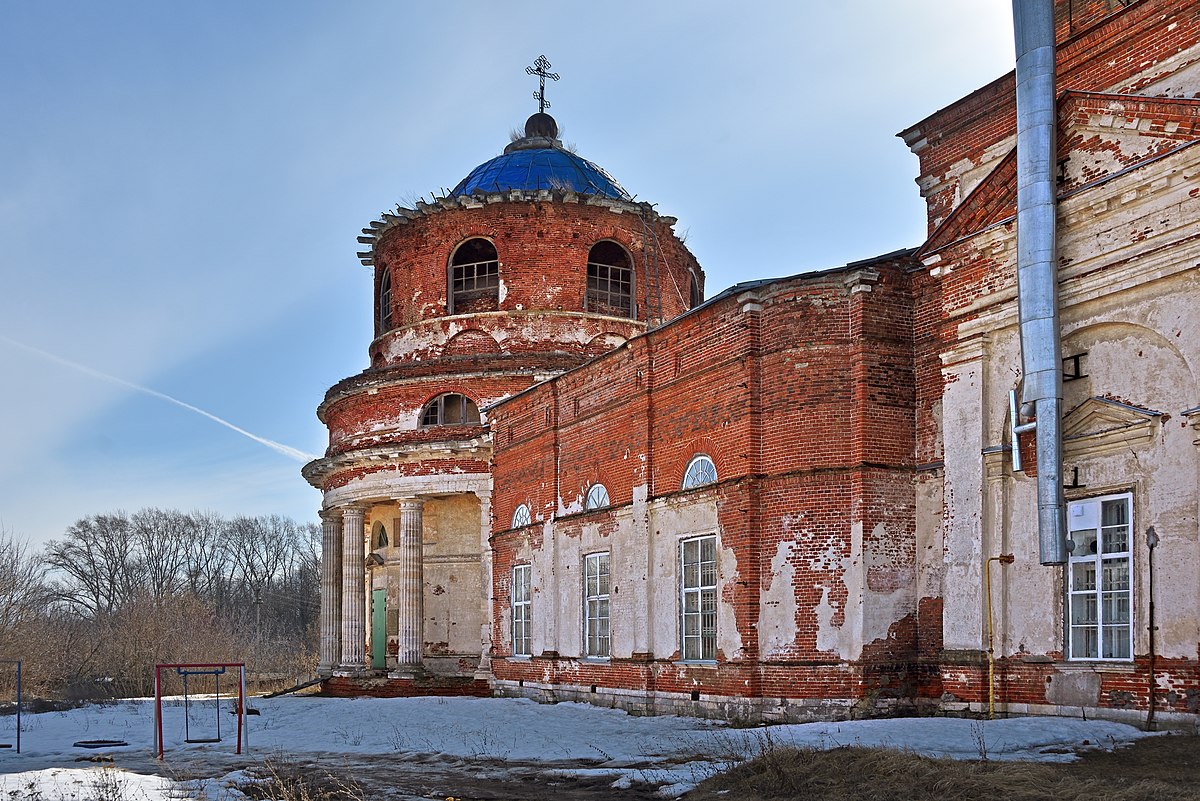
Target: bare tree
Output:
[(163, 539), (23, 591), (97, 562), (207, 567)]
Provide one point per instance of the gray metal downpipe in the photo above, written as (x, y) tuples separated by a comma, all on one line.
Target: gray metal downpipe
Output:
[(1037, 263)]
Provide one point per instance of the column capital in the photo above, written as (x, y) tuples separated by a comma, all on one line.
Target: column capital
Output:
[(412, 504), (332, 515), (352, 510)]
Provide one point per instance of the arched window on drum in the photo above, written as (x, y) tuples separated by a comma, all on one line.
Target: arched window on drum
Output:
[(609, 281)]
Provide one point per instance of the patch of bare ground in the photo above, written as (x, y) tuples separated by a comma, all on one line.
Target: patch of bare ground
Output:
[(1165, 768)]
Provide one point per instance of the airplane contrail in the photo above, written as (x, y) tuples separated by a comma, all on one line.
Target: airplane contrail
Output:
[(278, 447)]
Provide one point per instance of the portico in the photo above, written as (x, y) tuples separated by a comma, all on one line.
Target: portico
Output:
[(403, 580)]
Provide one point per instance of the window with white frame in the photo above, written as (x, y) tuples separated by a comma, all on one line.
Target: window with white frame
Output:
[(521, 516), (1099, 578), (595, 600), (700, 471), (698, 598), (450, 409), (521, 636), (597, 497)]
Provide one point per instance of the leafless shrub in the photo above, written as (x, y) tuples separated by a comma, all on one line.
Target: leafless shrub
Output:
[(283, 778)]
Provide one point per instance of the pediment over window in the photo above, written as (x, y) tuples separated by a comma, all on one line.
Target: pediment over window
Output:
[(1101, 424)]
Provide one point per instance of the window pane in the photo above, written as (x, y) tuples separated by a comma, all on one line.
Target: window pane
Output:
[(1116, 539), (1116, 642), (1084, 643), (1114, 513), (1116, 607), (1083, 576), (1116, 574), (1085, 543), (1083, 609)]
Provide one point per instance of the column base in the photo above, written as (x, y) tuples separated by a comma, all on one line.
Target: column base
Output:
[(352, 671), (407, 672), (483, 671)]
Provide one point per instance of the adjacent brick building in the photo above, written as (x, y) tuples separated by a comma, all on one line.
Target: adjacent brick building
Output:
[(568, 477)]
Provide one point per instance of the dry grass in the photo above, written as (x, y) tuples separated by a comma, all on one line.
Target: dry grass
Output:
[(1154, 769), (284, 779)]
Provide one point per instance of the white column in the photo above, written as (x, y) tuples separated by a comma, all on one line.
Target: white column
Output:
[(484, 669), (410, 589), (331, 590), (354, 601)]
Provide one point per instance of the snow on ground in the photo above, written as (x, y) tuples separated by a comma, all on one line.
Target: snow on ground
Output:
[(562, 738)]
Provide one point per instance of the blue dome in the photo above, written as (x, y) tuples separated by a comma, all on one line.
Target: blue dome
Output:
[(541, 168)]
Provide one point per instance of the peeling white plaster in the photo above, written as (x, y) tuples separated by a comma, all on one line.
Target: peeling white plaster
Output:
[(777, 627)]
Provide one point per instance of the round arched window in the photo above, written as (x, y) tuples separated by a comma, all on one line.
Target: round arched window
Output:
[(379, 536), (597, 497), (383, 306), (474, 277), (609, 280), (450, 409), (700, 471), (521, 516)]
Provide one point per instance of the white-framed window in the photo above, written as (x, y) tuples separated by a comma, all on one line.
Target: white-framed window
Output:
[(700, 471), (521, 516), (595, 602), (521, 635), (450, 409), (597, 497), (1100, 578), (698, 598)]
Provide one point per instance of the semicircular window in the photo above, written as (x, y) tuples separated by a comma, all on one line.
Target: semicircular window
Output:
[(383, 308), (597, 497), (609, 280), (450, 409), (521, 516), (700, 471), (474, 277)]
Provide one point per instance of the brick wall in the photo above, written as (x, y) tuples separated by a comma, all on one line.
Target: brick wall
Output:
[(801, 392)]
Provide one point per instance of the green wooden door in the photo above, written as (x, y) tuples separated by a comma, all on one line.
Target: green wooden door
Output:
[(378, 628)]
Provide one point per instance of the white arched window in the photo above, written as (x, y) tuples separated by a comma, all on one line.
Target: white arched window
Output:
[(597, 497), (700, 471), (450, 409), (521, 516)]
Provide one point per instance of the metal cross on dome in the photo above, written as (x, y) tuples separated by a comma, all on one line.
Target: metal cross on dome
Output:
[(540, 68)]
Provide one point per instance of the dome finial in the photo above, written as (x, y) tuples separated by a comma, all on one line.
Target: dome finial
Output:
[(541, 69)]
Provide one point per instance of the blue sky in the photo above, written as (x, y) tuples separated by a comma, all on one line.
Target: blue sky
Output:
[(181, 186)]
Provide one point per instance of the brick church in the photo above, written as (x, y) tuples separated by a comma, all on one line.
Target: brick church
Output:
[(569, 475)]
